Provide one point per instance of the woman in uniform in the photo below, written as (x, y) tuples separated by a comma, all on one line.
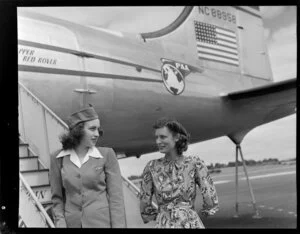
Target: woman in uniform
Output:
[(173, 179), (85, 180)]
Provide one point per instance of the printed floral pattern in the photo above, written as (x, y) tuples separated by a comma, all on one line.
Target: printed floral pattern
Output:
[(174, 185)]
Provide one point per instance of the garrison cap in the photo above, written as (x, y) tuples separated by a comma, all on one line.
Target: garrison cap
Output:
[(82, 115)]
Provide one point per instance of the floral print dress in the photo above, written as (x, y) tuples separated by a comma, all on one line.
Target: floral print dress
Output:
[(174, 185)]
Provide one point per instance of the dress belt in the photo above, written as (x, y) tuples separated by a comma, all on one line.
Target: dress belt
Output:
[(171, 206)]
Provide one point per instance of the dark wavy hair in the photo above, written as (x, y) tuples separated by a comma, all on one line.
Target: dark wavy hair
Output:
[(73, 137), (176, 128)]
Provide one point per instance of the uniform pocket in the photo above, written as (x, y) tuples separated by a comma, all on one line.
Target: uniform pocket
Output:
[(98, 174), (98, 168)]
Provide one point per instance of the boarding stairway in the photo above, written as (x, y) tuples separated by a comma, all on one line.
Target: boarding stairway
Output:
[(35, 194), (39, 130), (36, 175)]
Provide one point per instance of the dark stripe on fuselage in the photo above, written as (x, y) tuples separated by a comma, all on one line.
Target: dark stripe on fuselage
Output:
[(171, 27), (82, 73), (254, 7), (82, 54)]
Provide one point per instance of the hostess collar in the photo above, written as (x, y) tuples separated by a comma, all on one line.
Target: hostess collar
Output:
[(93, 152)]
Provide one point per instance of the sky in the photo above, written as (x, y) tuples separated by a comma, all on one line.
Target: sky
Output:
[(273, 140)]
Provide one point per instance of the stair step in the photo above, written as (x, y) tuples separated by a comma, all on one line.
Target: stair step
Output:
[(47, 204), (23, 150), (43, 193), (36, 177), (29, 163)]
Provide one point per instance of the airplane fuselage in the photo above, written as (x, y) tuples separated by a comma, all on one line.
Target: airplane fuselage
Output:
[(68, 65)]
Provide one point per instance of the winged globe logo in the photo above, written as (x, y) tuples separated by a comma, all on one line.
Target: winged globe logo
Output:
[(173, 79)]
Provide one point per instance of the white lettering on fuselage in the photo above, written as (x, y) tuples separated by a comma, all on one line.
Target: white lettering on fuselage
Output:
[(182, 66)]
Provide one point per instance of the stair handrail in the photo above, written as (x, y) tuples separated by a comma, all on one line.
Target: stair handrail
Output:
[(46, 111), (136, 189), (38, 204), (44, 106)]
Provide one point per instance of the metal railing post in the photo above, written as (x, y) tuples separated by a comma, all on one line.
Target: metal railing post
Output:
[(21, 113), (46, 132)]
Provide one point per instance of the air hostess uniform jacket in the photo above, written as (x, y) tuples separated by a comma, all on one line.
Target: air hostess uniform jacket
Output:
[(88, 195)]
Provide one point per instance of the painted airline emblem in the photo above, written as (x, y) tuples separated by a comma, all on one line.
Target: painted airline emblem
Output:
[(172, 79), (173, 75)]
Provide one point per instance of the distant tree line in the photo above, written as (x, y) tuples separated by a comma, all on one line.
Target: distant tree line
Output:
[(250, 162), (216, 168)]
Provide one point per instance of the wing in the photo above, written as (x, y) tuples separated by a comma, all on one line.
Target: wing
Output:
[(260, 105)]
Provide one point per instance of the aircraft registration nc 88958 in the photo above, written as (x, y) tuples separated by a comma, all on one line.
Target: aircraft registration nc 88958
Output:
[(209, 69)]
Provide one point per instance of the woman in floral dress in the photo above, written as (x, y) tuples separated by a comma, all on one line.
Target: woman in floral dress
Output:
[(173, 179)]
